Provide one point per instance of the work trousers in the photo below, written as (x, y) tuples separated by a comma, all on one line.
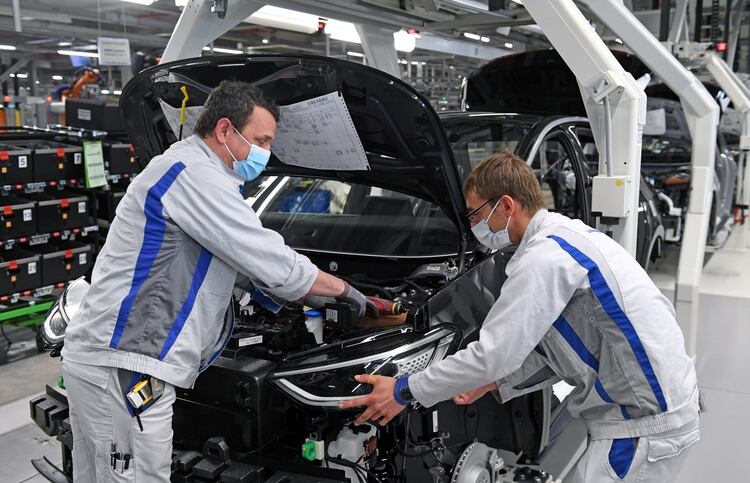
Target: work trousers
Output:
[(650, 459), (100, 420)]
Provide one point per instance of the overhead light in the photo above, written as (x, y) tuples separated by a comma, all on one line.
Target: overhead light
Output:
[(508, 45), (618, 40), (78, 53), (414, 62), (180, 3), (11, 74), (264, 41), (64, 44), (57, 77), (403, 61), (452, 67), (423, 63), (484, 39), (36, 82), (22, 76), (105, 91), (222, 50), (355, 54), (117, 93), (343, 31), (472, 36), (405, 41), (140, 2), (283, 18), (7, 47)]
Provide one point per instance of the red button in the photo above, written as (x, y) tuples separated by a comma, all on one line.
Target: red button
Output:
[(64, 203), (68, 254), (60, 152), (7, 211), (4, 156), (13, 265)]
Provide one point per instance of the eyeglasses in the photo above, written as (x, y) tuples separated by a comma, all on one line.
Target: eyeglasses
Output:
[(470, 215)]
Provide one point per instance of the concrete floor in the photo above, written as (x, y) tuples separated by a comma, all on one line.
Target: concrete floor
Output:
[(20, 439)]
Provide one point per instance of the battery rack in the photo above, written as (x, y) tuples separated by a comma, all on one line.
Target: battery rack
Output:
[(50, 222)]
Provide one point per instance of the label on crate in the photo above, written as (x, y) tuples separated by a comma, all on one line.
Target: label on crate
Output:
[(93, 158), (246, 341), (77, 158), (23, 161), (81, 259), (84, 114), (39, 239), (82, 207), (32, 268), (27, 215)]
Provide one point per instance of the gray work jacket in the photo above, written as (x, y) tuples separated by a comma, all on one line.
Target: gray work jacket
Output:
[(161, 285), (577, 307)]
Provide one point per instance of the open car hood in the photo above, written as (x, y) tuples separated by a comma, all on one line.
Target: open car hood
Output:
[(540, 82), (400, 132)]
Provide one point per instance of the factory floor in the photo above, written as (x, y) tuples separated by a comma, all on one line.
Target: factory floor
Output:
[(722, 363), (20, 439)]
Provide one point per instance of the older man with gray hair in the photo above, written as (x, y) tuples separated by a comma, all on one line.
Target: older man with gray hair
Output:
[(156, 313)]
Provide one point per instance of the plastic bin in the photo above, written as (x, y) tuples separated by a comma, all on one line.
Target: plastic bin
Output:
[(64, 260), (121, 158), (61, 211), (106, 204), (15, 165), (52, 161), (18, 217), (19, 271)]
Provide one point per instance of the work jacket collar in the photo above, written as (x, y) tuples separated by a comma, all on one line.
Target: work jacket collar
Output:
[(535, 224), (200, 143)]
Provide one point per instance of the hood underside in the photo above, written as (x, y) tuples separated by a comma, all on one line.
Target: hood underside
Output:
[(400, 132)]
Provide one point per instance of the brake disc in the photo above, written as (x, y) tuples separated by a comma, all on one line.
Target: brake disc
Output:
[(477, 464)]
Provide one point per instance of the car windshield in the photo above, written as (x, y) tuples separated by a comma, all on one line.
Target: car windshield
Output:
[(476, 138), (336, 216), (659, 149)]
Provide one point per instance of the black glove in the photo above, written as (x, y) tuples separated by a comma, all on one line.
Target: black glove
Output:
[(355, 297)]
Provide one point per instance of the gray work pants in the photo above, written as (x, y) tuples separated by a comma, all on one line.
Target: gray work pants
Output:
[(650, 459), (99, 417)]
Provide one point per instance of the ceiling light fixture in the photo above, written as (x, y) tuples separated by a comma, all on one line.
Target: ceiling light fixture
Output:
[(57, 77), (484, 39), (64, 44), (264, 41), (22, 76), (222, 50), (140, 2), (508, 45), (7, 47), (117, 93), (105, 91), (355, 54), (471, 36), (78, 53)]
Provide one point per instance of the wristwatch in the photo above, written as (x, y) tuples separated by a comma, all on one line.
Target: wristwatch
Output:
[(401, 392)]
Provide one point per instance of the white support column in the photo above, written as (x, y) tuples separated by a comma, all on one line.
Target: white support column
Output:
[(380, 50), (600, 75), (702, 114), (198, 26)]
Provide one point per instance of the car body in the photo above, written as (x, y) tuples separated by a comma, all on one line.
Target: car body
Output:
[(540, 82), (268, 405), (562, 153)]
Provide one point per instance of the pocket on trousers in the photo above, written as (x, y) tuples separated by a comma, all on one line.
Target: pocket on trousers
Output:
[(660, 448), (96, 375)]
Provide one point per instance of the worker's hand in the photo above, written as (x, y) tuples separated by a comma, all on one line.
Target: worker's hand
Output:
[(469, 397), (317, 301), (380, 405), (355, 297)]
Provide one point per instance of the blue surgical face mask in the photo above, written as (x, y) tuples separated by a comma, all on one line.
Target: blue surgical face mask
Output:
[(493, 240), (254, 164)]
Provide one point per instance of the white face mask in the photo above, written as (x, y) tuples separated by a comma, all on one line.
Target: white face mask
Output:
[(487, 237)]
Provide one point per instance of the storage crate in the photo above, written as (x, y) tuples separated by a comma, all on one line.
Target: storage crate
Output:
[(19, 271), (18, 217), (106, 204), (60, 211), (64, 260), (15, 165), (121, 158)]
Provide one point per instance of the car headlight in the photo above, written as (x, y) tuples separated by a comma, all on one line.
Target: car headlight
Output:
[(325, 376), (57, 319)]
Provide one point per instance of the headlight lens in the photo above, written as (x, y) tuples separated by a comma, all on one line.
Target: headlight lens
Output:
[(58, 317), (325, 377)]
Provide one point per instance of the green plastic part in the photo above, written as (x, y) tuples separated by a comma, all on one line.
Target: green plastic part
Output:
[(61, 382), (308, 450)]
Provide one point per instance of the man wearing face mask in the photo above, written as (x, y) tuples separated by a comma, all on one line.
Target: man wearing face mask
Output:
[(157, 310), (575, 307)]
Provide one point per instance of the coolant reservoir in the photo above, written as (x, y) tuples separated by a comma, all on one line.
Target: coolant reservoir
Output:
[(353, 445), (314, 324)]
